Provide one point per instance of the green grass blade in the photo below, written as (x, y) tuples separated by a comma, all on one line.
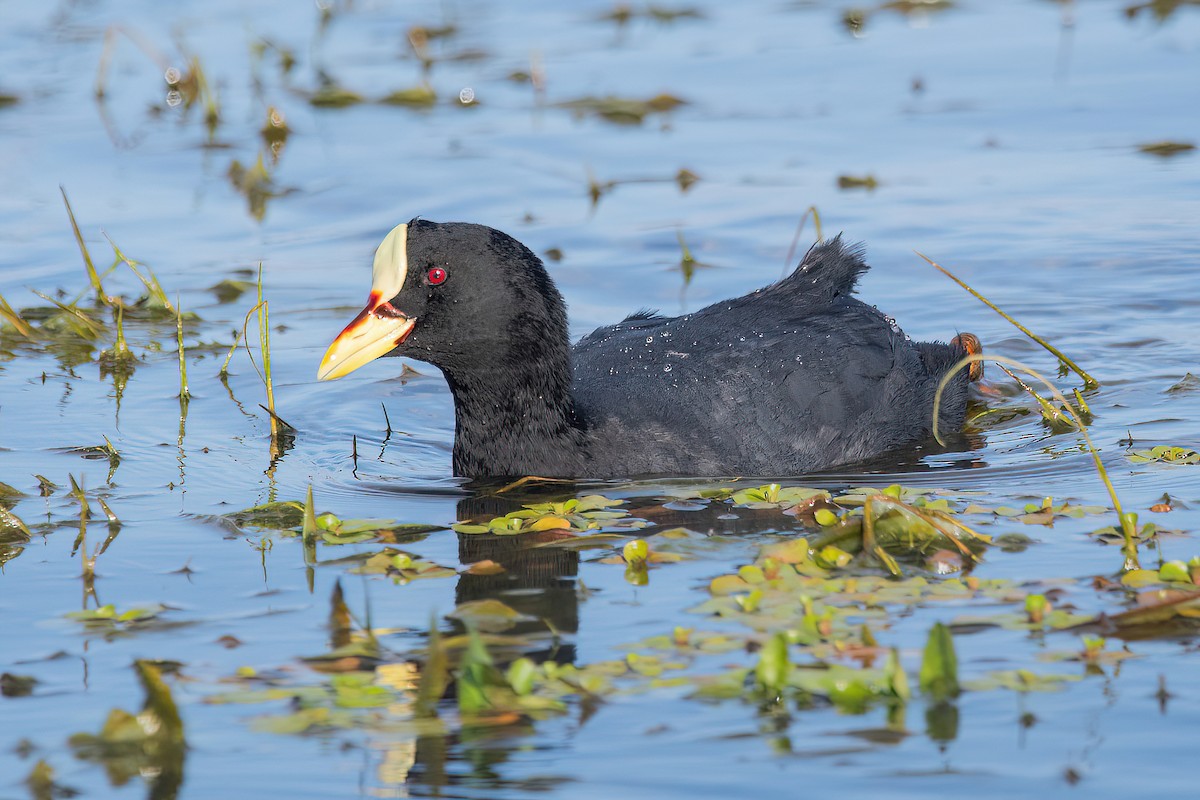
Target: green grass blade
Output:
[(13, 318), (184, 392), (1088, 381), (93, 276)]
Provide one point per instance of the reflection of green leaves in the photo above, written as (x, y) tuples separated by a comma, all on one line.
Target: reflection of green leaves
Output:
[(229, 290), (476, 673), (622, 13), (149, 743), (256, 184), (42, 786), (435, 674)]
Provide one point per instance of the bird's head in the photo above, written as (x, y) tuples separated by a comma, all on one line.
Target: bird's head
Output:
[(456, 295)]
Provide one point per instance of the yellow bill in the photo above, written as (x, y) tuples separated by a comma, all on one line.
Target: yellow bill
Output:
[(379, 327)]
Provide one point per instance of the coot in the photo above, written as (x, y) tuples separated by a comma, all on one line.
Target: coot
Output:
[(793, 378)]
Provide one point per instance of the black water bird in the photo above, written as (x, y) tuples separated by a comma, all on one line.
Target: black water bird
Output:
[(793, 378)]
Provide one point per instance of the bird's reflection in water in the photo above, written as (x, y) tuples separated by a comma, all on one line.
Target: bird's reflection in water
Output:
[(540, 584), (537, 582)]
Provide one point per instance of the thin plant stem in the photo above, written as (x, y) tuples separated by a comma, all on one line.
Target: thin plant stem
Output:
[(1088, 381), (237, 337), (787, 263), (93, 276), (8, 313), (184, 392), (264, 345), (1128, 522)]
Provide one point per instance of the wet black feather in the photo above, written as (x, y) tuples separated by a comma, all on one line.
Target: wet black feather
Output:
[(795, 377)]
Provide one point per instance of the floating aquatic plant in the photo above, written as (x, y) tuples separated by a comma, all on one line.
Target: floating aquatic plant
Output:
[(1164, 453)]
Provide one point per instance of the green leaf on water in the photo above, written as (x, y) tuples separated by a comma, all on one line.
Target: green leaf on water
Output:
[(1166, 148), (939, 667), (9, 495), (622, 110), (1177, 571), (308, 525), (521, 674), (1021, 680), (421, 96), (895, 675), (40, 780), (12, 529), (1188, 383), (636, 551), (774, 667), (284, 515), (359, 690), (17, 685), (108, 615), (332, 95), (773, 495), (868, 182), (1163, 453)]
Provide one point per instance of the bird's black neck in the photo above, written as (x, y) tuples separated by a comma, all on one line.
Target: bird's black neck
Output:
[(515, 415)]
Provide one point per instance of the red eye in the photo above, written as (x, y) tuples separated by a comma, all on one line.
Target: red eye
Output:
[(436, 275)]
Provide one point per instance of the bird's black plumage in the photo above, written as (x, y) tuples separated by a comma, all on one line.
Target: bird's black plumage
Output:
[(796, 377)]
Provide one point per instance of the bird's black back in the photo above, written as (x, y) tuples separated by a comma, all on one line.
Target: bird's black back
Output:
[(794, 377)]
